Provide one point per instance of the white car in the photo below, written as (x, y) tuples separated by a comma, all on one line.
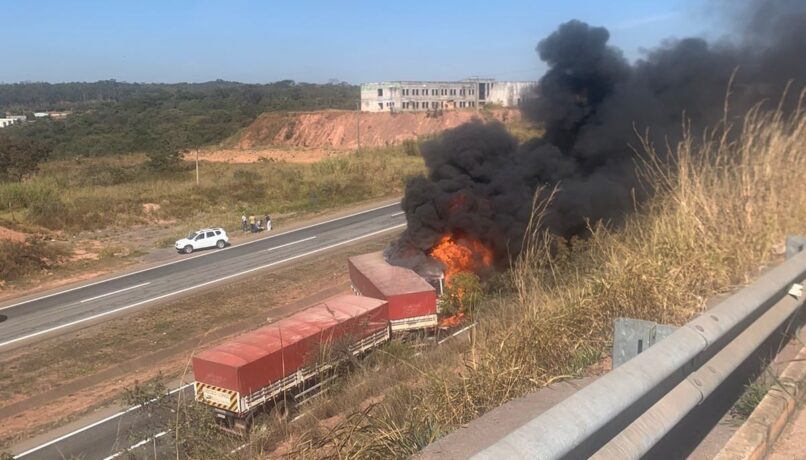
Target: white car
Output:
[(204, 238)]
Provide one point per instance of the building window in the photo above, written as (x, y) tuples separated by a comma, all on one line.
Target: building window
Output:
[(433, 92), (380, 105), (380, 92)]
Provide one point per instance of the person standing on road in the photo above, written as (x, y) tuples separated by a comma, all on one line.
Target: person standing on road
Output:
[(252, 223), (243, 222), (268, 222)]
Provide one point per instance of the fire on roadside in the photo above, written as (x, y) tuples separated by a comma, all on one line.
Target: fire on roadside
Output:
[(461, 255), (452, 321)]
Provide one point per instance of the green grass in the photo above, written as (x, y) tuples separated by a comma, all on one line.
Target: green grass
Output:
[(751, 398)]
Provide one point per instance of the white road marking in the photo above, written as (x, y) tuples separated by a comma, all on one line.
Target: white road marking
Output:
[(206, 283), (239, 448), (135, 446), (194, 257), (99, 422), (289, 244), (398, 213), (115, 292)]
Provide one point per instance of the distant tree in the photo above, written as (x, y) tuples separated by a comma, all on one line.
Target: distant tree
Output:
[(164, 158), (20, 157), (111, 117)]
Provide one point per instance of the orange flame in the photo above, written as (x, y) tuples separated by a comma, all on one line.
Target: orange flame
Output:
[(461, 255), (452, 321)]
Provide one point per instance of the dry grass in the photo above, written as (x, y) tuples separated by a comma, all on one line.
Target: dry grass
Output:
[(88, 194), (722, 209)]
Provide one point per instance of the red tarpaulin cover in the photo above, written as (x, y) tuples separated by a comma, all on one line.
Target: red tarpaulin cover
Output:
[(258, 358), (408, 294)]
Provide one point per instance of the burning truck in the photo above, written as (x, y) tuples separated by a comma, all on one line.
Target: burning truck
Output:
[(278, 365)]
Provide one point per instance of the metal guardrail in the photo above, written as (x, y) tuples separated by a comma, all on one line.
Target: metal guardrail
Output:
[(626, 412)]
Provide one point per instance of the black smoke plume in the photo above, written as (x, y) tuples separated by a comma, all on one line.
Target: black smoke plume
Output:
[(592, 102)]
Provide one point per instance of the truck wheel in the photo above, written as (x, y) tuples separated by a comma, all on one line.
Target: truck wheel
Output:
[(188, 249), (220, 244)]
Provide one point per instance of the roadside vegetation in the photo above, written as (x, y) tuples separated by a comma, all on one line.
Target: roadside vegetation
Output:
[(88, 194), (722, 210), (70, 196), (20, 258)]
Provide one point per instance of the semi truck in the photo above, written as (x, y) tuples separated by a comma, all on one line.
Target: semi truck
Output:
[(276, 366)]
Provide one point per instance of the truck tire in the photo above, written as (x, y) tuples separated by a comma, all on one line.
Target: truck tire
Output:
[(220, 244), (188, 249)]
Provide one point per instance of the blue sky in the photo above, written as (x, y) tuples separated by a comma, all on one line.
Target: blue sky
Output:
[(354, 41)]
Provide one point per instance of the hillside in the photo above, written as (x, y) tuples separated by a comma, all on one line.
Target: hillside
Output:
[(337, 129)]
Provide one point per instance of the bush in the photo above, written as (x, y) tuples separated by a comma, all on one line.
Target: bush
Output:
[(20, 259), (411, 148), (106, 175), (20, 195), (461, 295), (164, 159), (47, 211), (20, 157)]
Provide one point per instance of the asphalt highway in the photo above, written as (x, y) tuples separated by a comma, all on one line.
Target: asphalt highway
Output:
[(69, 309), (127, 434)]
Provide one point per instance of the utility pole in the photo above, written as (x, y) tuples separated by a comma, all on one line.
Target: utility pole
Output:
[(197, 166), (358, 126)]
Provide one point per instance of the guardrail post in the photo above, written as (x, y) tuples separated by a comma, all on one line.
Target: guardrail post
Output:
[(794, 245), (633, 336)]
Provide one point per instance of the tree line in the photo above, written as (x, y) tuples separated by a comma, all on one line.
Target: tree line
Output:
[(111, 117)]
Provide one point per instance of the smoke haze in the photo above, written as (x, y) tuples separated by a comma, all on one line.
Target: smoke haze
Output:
[(591, 102)]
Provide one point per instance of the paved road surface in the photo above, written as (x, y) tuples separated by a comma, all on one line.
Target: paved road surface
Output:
[(129, 430), (74, 308)]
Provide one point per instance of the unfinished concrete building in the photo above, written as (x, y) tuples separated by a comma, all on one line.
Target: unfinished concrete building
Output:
[(420, 96)]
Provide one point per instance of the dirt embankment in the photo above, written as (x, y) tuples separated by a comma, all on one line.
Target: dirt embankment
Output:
[(310, 136), (8, 234)]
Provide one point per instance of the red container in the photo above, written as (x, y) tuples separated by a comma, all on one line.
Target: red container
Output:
[(408, 294), (253, 360)]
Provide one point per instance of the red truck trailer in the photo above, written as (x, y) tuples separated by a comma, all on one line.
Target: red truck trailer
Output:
[(412, 300), (286, 360)]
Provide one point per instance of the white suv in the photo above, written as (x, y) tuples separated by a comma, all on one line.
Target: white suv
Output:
[(204, 238)]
